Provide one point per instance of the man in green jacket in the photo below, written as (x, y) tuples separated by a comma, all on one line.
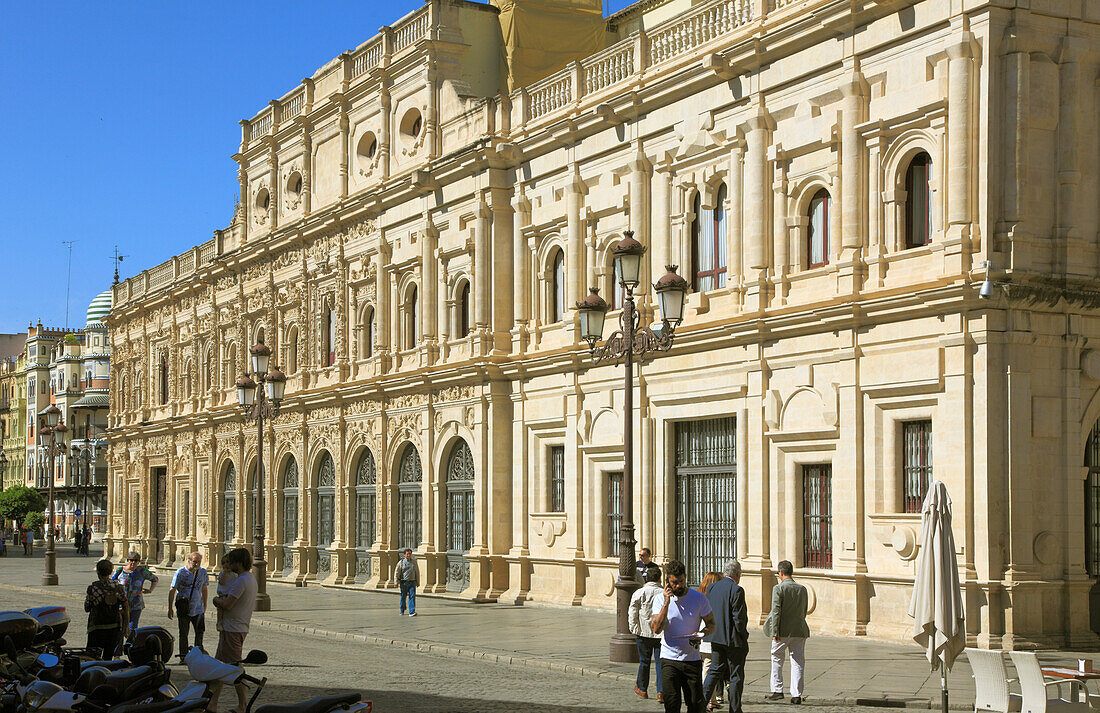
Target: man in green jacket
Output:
[(786, 624)]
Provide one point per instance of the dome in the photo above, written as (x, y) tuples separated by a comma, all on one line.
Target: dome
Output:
[(100, 306)]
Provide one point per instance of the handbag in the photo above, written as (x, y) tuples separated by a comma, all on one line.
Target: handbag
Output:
[(183, 603)]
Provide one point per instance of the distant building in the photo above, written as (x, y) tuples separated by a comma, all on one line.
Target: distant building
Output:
[(836, 179), (71, 369), (13, 418)]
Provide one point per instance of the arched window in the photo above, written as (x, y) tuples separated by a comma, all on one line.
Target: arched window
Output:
[(366, 345), (326, 502), (292, 350), (817, 233), (410, 475), (918, 201), (460, 499), (366, 499), (558, 287), (708, 241), (229, 504), (464, 310), (230, 366), (289, 509), (410, 319)]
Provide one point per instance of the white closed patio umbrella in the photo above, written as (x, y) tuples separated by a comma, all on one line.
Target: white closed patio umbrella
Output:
[(937, 606)]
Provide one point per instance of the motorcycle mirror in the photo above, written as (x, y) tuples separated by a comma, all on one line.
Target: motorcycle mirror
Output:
[(47, 660), (255, 658)]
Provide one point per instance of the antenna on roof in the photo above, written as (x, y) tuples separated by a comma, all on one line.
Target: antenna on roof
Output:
[(68, 278), (117, 259)]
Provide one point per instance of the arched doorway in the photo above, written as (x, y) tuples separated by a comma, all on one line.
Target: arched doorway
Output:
[(460, 515), (410, 476), (366, 513)]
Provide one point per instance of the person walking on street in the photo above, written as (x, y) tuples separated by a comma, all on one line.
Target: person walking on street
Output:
[(77, 538), (85, 541), (705, 649), (108, 611), (236, 606), (730, 638), (28, 542), (683, 614), (406, 575), (786, 624), (645, 564), (132, 576), (639, 615), (187, 597)]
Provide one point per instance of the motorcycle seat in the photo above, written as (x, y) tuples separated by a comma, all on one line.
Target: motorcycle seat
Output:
[(169, 706), (111, 665), (320, 704), (118, 685)]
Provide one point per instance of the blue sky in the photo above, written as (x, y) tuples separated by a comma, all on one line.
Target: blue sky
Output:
[(119, 122)]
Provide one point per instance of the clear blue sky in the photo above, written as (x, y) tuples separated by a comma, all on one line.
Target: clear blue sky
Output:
[(119, 122)]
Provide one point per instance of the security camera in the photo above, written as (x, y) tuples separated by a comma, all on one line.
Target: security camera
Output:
[(986, 290)]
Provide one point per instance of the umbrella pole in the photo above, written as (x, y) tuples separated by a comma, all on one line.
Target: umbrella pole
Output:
[(943, 688)]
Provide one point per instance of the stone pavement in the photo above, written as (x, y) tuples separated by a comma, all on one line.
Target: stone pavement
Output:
[(853, 671)]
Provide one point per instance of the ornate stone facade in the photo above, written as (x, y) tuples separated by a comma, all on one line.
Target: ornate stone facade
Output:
[(836, 179)]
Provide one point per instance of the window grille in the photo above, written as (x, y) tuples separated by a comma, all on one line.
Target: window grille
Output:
[(916, 463), (229, 503), (614, 512), (557, 478), (410, 475), (464, 311), (326, 501), (817, 516), (290, 501), (366, 478), (706, 494)]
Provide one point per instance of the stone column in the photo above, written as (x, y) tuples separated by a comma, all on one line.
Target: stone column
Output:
[(382, 315), (574, 253), (521, 260), (959, 91), (734, 258), (273, 190), (429, 286), (640, 168), (853, 109), (481, 264), (307, 170), (385, 121), (660, 247), (503, 312), (781, 244), (1066, 229), (756, 207), (345, 141)]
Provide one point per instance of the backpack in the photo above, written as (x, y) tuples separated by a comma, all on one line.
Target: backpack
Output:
[(107, 611)]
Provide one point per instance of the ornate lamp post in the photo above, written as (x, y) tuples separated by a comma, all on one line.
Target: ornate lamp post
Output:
[(257, 409), (52, 439), (631, 340)]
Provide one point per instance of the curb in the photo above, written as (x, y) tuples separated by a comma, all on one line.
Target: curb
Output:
[(522, 661)]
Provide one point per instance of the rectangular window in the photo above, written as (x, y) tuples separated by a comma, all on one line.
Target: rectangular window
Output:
[(614, 511), (1092, 523), (557, 478), (817, 516), (916, 439), (410, 531)]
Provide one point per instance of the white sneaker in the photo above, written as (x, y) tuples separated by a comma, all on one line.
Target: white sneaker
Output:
[(412, 614)]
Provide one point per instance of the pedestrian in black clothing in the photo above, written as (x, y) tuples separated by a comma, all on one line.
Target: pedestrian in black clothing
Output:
[(645, 565), (729, 641)]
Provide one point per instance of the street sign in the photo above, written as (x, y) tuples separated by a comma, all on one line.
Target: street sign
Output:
[(77, 513)]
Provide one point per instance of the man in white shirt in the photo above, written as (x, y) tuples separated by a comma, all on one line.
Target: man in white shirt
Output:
[(639, 614), (187, 600), (683, 616), (236, 606)]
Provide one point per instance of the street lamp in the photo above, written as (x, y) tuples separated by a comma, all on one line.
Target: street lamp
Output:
[(258, 404), (631, 340), (52, 439)]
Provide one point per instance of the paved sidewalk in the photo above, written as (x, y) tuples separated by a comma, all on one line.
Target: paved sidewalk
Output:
[(839, 670)]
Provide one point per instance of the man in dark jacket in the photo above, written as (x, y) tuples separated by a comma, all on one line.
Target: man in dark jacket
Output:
[(730, 640)]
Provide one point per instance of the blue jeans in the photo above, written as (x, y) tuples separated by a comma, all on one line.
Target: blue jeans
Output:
[(408, 591), (648, 648)]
